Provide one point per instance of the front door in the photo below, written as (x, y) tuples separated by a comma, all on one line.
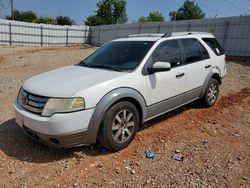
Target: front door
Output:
[(165, 89)]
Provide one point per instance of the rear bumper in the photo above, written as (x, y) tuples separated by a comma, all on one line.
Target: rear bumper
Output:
[(59, 130)]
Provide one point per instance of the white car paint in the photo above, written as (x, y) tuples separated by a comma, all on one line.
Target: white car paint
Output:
[(93, 84)]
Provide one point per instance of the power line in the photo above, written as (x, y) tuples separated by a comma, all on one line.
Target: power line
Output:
[(211, 9), (4, 4), (236, 7)]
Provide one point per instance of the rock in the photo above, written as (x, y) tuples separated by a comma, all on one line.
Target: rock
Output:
[(127, 168), (244, 178), (177, 151), (148, 181), (100, 165), (230, 161), (239, 158), (117, 170), (75, 184), (237, 135), (132, 172)]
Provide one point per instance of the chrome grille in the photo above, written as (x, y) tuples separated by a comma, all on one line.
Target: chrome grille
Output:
[(32, 102)]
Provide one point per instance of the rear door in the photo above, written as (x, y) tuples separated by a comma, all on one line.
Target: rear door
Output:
[(198, 65)]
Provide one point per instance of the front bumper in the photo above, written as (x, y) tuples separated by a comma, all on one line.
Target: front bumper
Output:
[(59, 130)]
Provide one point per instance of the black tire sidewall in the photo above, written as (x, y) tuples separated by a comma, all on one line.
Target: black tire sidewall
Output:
[(108, 121)]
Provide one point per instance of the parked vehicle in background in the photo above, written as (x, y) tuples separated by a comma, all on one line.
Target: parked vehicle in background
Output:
[(110, 94)]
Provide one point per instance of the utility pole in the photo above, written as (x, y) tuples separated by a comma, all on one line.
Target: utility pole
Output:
[(12, 10)]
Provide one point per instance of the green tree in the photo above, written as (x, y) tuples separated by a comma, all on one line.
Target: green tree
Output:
[(24, 16), (188, 11), (109, 12), (64, 20), (152, 17), (29, 16), (45, 20)]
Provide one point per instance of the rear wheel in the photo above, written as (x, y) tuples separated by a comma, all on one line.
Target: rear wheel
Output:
[(211, 93), (119, 126)]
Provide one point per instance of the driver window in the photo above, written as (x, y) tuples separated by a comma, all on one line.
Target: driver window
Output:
[(168, 51)]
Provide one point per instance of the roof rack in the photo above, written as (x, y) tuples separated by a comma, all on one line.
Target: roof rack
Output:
[(162, 35), (146, 35), (187, 33)]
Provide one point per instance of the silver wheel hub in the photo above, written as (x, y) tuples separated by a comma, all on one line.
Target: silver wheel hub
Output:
[(212, 93), (123, 126)]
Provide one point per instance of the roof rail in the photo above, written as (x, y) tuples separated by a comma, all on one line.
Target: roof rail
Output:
[(146, 35), (165, 35), (189, 33)]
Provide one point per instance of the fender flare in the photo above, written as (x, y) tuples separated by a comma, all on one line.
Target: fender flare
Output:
[(105, 103), (214, 70)]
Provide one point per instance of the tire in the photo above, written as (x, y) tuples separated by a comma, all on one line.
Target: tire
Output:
[(211, 93), (119, 126)]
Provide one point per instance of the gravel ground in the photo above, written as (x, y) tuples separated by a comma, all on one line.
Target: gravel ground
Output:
[(215, 142)]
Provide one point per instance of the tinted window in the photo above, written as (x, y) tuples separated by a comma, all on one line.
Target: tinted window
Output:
[(204, 52), (194, 50), (214, 45), (120, 55), (168, 52)]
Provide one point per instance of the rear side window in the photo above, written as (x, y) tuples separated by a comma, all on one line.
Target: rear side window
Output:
[(194, 51), (168, 51), (214, 45)]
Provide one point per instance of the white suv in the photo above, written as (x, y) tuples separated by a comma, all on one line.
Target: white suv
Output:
[(110, 94)]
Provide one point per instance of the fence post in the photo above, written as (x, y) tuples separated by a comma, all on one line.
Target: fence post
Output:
[(10, 34), (139, 31), (225, 34), (159, 28), (117, 31), (99, 36), (41, 35), (89, 38), (188, 26), (85, 35), (67, 36)]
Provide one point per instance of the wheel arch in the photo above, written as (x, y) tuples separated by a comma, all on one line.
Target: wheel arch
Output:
[(114, 96), (215, 74)]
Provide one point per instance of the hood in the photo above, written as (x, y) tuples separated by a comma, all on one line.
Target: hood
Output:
[(67, 81)]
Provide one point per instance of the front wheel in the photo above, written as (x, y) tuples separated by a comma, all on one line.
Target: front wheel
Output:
[(119, 126), (211, 93)]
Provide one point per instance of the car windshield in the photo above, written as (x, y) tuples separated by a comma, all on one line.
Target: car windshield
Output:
[(118, 55)]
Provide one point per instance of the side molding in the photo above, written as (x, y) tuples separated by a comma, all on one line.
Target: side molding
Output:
[(103, 105)]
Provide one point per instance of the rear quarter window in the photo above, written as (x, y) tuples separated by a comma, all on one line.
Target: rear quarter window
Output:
[(214, 45)]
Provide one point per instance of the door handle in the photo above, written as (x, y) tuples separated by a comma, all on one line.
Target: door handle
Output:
[(207, 66), (180, 75)]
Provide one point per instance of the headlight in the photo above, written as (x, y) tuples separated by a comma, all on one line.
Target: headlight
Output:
[(56, 105)]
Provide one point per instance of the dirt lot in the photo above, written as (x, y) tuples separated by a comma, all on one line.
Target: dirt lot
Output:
[(215, 141)]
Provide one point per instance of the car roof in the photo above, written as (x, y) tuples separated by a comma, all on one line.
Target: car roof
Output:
[(156, 36)]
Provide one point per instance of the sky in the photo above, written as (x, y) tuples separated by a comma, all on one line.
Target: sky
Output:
[(79, 10)]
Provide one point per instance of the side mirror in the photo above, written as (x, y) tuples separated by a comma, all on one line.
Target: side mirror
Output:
[(159, 67)]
